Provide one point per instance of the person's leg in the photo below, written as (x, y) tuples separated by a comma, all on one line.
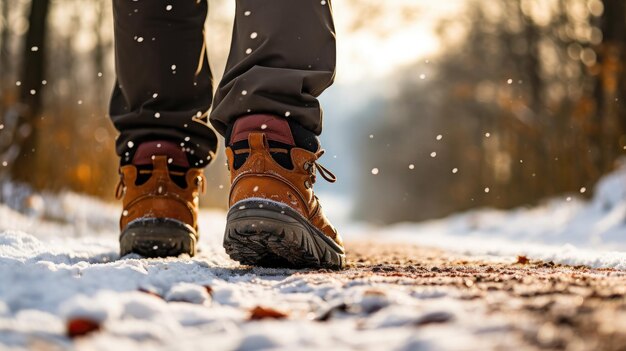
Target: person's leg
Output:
[(282, 58), (163, 86), (159, 106)]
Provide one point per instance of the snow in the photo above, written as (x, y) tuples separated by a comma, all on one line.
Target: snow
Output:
[(60, 262), (164, 303), (566, 230)]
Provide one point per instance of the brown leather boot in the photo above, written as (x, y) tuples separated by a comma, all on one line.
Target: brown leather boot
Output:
[(160, 198), (275, 219)]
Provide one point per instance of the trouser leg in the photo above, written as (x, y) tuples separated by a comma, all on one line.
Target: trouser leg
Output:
[(282, 58), (163, 89)]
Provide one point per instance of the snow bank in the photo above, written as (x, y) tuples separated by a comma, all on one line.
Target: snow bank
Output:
[(565, 230)]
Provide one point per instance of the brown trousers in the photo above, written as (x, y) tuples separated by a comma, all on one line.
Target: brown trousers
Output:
[(281, 59)]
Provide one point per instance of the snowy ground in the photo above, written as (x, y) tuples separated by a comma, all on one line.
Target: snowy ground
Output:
[(59, 264), (72, 271)]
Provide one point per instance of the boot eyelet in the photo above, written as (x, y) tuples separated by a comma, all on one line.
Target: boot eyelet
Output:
[(307, 184), (307, 166)]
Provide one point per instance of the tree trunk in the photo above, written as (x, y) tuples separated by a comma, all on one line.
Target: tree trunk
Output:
[(609, 88), (5, 62), (32, 75)]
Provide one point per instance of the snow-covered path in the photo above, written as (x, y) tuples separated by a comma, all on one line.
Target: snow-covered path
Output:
[(393, 297)]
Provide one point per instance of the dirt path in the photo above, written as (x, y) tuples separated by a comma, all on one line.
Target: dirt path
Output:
[(569, 308)]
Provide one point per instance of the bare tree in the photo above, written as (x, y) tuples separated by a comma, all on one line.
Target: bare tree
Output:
[(610, 87), (32, 75), (5, 62)]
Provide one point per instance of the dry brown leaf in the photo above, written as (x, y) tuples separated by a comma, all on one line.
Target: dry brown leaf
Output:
[(81, 326), (437, 317), (522, 259), (259, 313), (374, 292)]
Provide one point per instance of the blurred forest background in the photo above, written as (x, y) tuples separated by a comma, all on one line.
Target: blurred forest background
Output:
[(524, 99), (527, 101)]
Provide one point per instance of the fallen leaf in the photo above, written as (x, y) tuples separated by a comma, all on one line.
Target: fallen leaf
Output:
[(522, 260), (434, 318), (259, 313), (209, 290), (374, 292), (81, 326)]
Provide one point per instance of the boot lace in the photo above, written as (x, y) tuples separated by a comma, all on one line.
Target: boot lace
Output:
[(312, 166)]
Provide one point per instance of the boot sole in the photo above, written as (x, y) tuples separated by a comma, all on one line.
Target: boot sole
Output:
[(266, 233), (158, 237)]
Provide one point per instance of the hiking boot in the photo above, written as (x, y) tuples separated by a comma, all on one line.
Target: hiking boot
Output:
[(160, 199), (275, 219)]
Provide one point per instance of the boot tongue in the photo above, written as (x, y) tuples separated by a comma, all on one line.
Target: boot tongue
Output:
[(146, 150), (275, 129)]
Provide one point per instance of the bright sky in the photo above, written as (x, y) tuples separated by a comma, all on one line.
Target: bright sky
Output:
[(365, 54)]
